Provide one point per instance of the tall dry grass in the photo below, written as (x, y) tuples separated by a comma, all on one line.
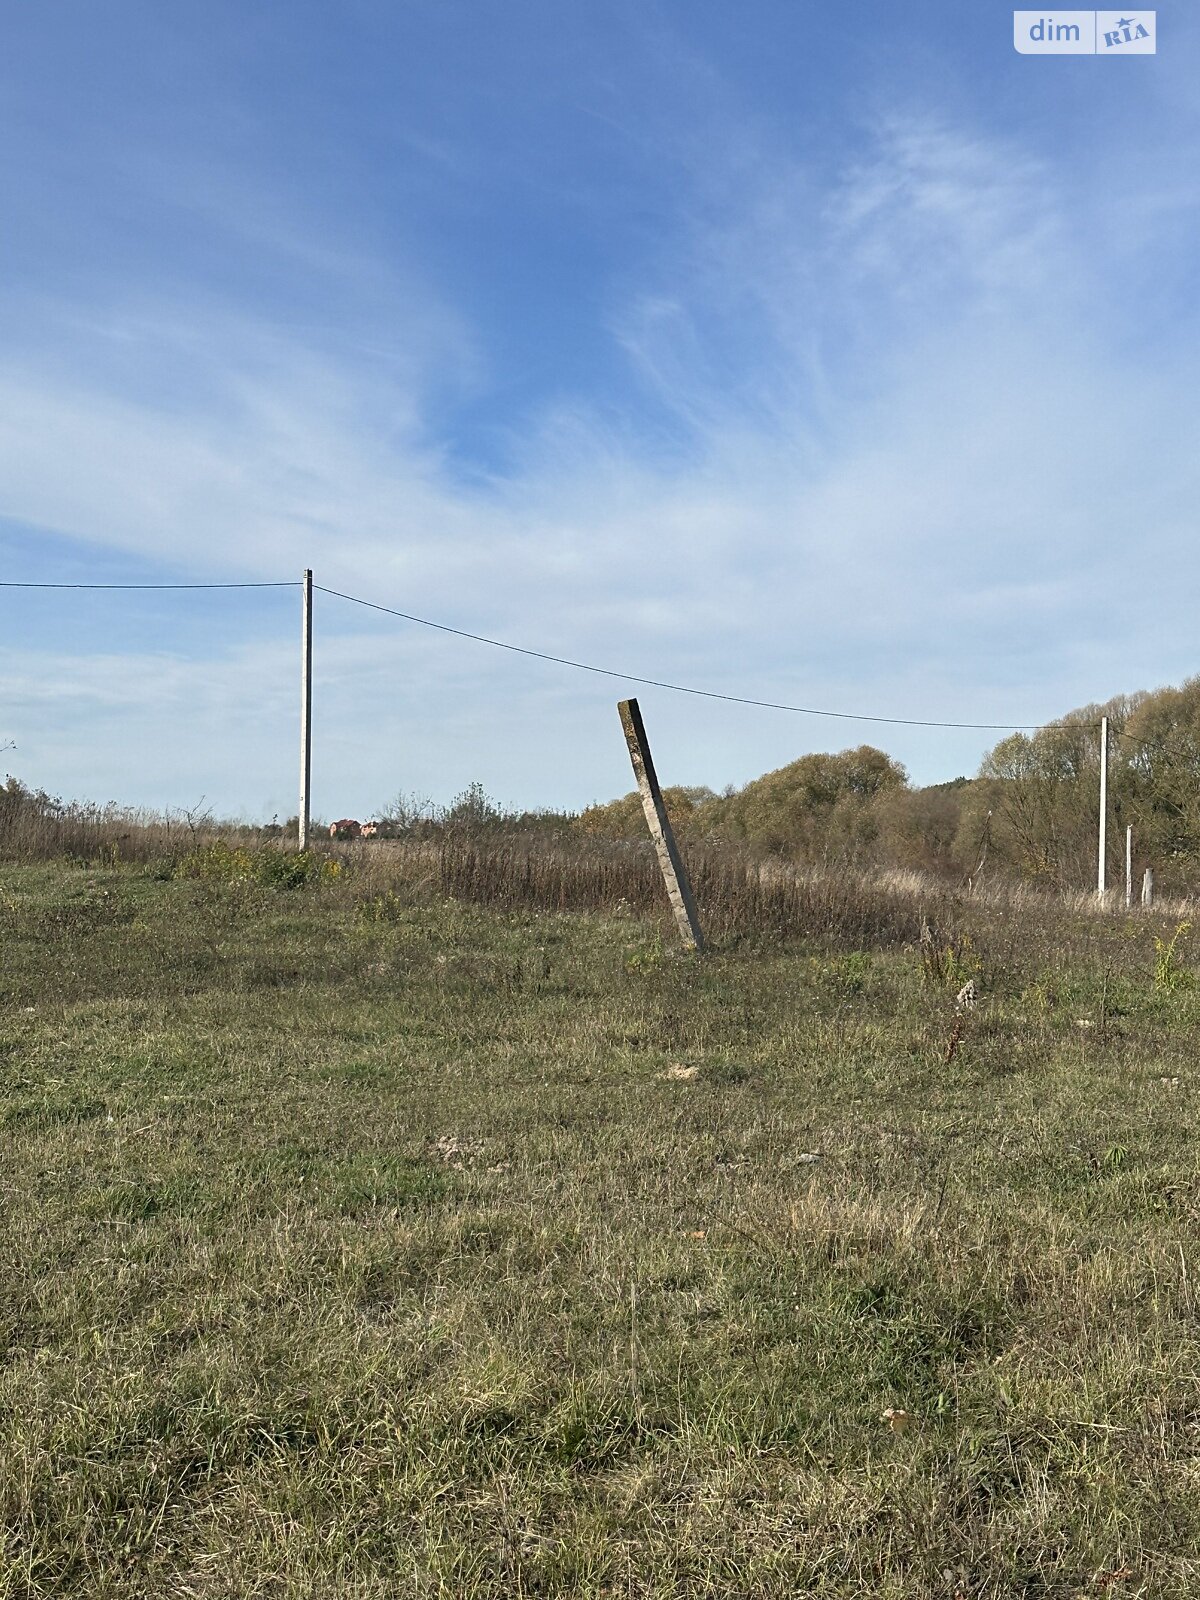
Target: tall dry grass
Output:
[(743, 898), (739, 895), (497, 861), (38, 827)]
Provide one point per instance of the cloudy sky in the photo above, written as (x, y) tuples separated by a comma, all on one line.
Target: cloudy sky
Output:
[(835, 355)]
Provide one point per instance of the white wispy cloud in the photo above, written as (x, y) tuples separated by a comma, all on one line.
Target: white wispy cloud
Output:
[(879, 453)]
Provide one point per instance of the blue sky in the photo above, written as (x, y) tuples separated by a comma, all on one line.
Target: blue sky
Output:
[(834, 355)]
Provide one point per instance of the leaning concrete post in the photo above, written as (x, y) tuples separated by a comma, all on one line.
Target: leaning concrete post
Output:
[(678, 889)]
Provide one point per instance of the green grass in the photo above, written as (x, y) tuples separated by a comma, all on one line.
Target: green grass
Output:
[(362, 1247)]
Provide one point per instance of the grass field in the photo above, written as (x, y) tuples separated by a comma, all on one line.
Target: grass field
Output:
[(376, 1244)]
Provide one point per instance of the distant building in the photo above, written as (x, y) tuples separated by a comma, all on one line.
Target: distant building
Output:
[(345, 828)]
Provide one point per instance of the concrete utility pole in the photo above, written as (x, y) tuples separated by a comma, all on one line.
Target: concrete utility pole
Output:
[(305, 707), (679, 891), (1101, 859)]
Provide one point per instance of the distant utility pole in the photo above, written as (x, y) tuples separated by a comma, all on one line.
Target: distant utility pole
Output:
[(305, 707), (1101, 859)]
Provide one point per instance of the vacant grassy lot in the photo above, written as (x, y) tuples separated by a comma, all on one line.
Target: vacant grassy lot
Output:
[(359, 1246)]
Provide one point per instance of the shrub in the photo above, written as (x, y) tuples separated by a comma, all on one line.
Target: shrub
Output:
[(221, 862)]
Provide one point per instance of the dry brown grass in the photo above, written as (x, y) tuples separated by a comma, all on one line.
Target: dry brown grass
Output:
[(36, 827), (740, 895)]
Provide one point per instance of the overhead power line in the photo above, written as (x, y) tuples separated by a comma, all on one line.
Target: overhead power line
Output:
[(680, 688), (284, 583), (564, 661), (1188, 757)]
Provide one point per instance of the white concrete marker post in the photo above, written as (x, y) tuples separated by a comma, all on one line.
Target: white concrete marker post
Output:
[(305, 708), (1128, 866), (678, 889)]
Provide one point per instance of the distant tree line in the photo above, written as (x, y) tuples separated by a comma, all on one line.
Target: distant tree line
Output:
[(1030, 813)]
